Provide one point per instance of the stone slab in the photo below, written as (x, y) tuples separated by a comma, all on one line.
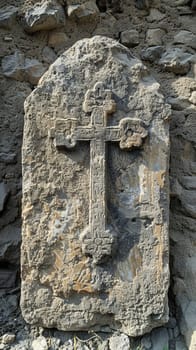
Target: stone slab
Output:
[(95, 194)]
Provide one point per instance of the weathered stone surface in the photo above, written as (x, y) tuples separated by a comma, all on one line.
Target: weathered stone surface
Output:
[(154, 36), (120, 342), (44, 16), (10, 239), (4, 192), (152, 54), (188, 323), (48, 55), (193, 98), (142, 4), (130, 38), (7, 16), (8, 158), (180, 345), (13, 65), (7, 278), (8, 338), (40, 344), (57, 39), (176, 60), (95, 223), (18, 67), (185, 37), (85, 11), (155, 15), (33, 70)]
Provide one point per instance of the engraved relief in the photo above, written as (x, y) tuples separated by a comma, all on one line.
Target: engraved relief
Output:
[(98, 240)]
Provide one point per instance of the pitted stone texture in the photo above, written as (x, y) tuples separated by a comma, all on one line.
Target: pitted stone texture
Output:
[(95, 162)]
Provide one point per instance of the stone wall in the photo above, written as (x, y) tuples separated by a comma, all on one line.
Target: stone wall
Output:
[(160, 33)]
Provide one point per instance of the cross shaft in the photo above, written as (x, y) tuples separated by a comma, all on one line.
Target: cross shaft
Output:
[(98, 241)]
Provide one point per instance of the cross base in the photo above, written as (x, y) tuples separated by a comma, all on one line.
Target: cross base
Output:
[(100, 248)]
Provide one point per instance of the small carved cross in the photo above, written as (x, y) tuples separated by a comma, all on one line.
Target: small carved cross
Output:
[(98, 241)]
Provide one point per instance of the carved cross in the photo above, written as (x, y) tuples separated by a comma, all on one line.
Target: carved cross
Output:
[(98, 240)]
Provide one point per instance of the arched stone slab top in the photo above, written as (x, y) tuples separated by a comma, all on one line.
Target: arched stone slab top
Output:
[(95, 194)]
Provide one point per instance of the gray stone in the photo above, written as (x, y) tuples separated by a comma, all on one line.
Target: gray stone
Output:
[(7, 16), (176, 332), (82, 346), (142, 4), (33, 70), (48, 55), (44, 16), (154, 36), (193, 5), (8, 338), (192, 99), (103, 345), (155, 15), (176, 60), (185, 37), (13, 66), (4, 192), (84, 11), (8, 38), (179, 2), (57, 39), (146, 342), (160, 339), (178, 103), (10, 244), (18, 67), (180, 345), (120, 342), (7, 278), (8, 158), (130, 38), (85, 266), (189, 182), (152, 54), (188, 322), (40, 343), (171, 323), (193, 341)]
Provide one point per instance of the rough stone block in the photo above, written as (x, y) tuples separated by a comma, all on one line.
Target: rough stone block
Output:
[(95, 194), (154, 36), (130, 38), (18, 67), (176, 60), (185, 37), (7, 16), (85, 11), (44, 16)]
